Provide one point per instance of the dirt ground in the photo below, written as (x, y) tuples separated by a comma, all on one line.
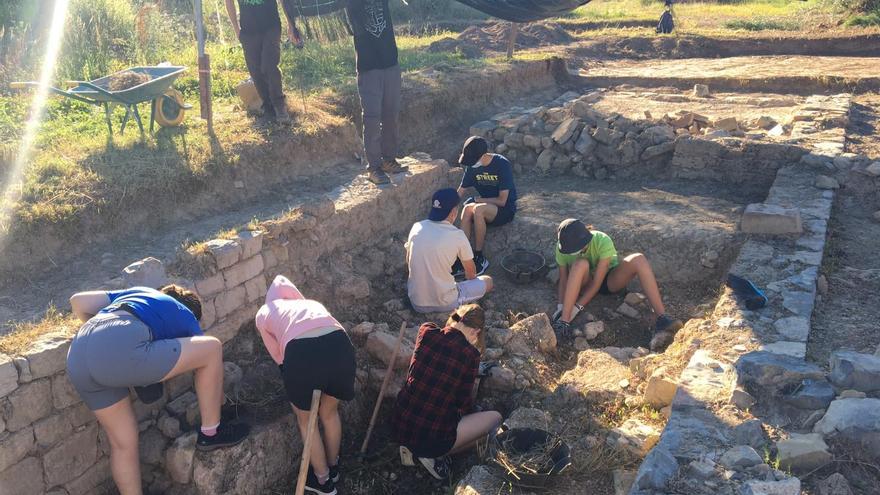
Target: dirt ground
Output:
[(847, 316)]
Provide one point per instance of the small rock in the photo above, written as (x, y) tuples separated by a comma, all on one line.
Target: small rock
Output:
[(822, 285), (741, 456), (528, 417), (628, 311), (701, 90), (825, 182), (742, 399), (803, 453), (811, 394), (660, 389), (853, 370), (701, 469), (593, 329), (581, 344), (790, 486), (836, 484), (776, 131), (751, 433), (148, 272), (765, 122), (623, 383), (634, 436), (852, 394), (634, 298), (873, 169), (728, 124), (538, 330)]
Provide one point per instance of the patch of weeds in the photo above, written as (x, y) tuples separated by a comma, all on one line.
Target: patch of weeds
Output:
[(870, 19), (759, 24), (24, 334)]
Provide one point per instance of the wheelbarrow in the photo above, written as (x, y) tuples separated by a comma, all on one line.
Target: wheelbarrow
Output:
[(167, 105)]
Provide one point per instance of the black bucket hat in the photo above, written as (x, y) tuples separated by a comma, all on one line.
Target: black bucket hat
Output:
[(573, 236), (474, 148)]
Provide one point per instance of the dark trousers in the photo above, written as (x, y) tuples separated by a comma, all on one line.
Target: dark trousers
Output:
[(262, 53), (379, 90)]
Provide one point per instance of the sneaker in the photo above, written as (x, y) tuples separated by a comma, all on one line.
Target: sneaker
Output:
[(334, 471), (562, 329), (378, 177), (439, 467), (406, 456), (228, 434), (312, 485), (457, 268), (482, 264), (667, 324), (282, 116), (393, 167)]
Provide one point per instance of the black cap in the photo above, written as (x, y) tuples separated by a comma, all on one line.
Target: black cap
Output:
[(442, 203), (474, 148), (573, 236)]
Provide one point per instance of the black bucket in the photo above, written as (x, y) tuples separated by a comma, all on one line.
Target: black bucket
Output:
[(518, 440), (523, 266)]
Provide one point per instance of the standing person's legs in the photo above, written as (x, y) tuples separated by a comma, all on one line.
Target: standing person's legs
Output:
[(121, 426), (473, 427), (332, 434), (204, 355), (252, 45), (636, 265), (318, 456), (390, 112), (270, 57), (370, 92)]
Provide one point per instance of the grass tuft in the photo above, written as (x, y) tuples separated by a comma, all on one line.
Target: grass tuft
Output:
[(23, 334)]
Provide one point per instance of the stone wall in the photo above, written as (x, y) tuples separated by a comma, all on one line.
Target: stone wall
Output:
[(50, 441)]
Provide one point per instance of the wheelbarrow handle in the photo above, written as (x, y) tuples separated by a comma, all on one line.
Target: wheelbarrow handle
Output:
[(53, 89), (99, 89)]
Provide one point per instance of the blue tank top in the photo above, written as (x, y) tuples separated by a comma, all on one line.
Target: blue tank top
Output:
[(165, 316)]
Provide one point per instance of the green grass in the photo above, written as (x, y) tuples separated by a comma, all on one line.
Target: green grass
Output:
[(761, 24), (871, 19)]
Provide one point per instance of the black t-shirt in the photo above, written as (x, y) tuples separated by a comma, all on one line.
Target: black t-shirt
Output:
[(258, 16), (374, 42), (489, 180)]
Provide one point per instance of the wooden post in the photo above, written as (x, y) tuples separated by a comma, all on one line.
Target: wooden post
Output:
[(307, 442), (511, 42), (204, 67), (388, 373)]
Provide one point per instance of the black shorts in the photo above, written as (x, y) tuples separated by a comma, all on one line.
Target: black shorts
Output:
[(325, 363), (504, 216), (604, 288), (432, 449)]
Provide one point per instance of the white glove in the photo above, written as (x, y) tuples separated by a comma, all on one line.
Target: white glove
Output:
[(558, 312)]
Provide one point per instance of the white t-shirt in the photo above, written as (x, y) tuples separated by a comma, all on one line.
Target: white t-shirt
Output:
[(431, 249)]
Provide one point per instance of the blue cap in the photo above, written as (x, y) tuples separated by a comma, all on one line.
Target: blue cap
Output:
[(442, 203)]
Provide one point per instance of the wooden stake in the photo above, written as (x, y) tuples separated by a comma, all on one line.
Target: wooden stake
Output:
[(385, 381), (511, 42), (307, 442)]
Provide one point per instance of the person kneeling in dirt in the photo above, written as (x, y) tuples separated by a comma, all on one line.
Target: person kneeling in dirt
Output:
[(313, 352), (139, 337), (589, 265), (492, 176), (432, 416), (431, 249)]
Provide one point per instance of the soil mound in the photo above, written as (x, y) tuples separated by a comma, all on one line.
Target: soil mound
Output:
[(494, 35)]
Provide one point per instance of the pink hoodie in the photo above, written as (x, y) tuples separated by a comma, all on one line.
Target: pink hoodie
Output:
[(287, 315)]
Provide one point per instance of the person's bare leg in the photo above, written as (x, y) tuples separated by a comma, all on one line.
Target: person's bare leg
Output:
[(578, 275), (121, 426), (317, 458), (204, 355), (467, 220), (483, 214), (473, 427), (329, 414), (636, 265)]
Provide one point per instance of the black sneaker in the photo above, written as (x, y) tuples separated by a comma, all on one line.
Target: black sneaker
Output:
[(312, 485), (334, 471), (378, 177), (228, 434), (457, 268), (439, 467), (482, 264), (667, 324), (393, 167)]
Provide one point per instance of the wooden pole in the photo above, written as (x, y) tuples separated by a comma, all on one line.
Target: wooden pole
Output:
[(385, 381), (511, 42), (307, 442), (204, 67)]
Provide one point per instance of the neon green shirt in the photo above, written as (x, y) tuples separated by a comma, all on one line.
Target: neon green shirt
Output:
[(600, 247)]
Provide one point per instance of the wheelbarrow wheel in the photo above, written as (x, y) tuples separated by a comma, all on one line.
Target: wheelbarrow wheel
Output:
[(169, 109)]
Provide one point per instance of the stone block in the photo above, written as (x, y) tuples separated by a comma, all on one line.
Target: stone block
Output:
[(48, 431), (15, 447), (169, 426), (152, 447), (70, 458), (793, 349), (210, 286), (836, 484), (701, 469), (179, 458), (855, 371), (811, 394), (740, 457), (751, 433), (501, 380), (628, 311), (24, 369), (251, 243), (256, 288), (657, 469), (728, 124), (93, 478), (48, 356), (229, 301), (771, 373), (479, 481), (660, 389), (8, 376), (209, 313), (701, 90), (760, 218), (148, 272), (381, 345), (793, 328), (634, 437), (825, 182), (242, 272), (790, 486), (353, 287), (585, 144), (565, 131), (499, 337), (29, 403), (225, 252), (24, 478), (802, 453), (855, 419), (63, 393), (528, 417), (538, 330), (593, 329)]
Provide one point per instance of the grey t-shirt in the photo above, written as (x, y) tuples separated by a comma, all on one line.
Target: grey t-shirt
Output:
[(431, 249)]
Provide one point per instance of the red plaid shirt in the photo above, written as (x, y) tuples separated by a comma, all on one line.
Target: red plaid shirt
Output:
[(438, 387)]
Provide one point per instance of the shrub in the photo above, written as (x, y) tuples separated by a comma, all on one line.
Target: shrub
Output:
[(97, 33)]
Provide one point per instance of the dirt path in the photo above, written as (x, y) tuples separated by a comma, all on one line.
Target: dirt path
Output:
[(846, 318)]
